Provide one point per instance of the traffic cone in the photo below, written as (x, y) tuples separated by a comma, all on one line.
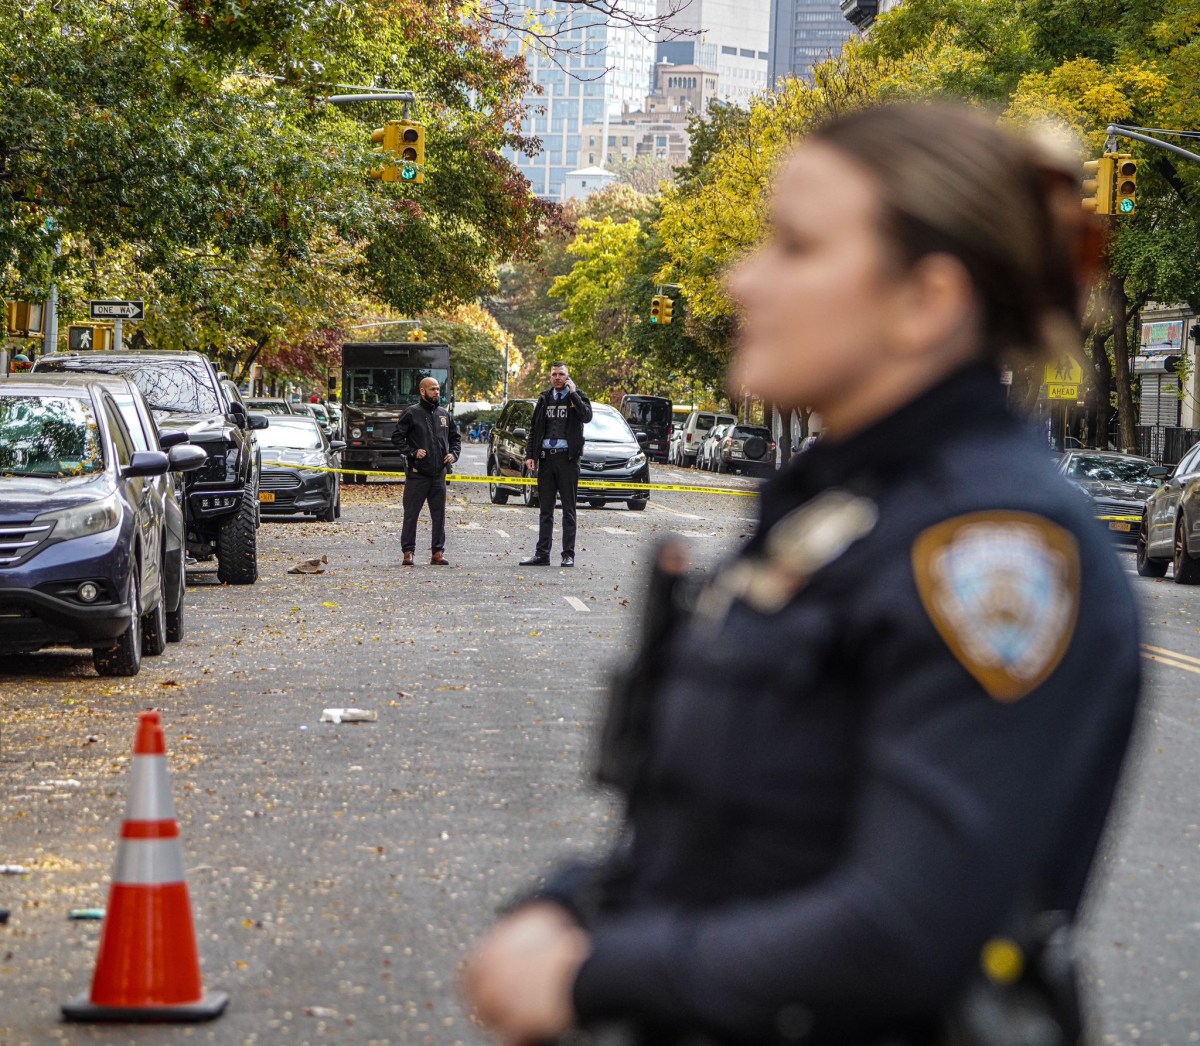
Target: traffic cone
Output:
[(148, 968)]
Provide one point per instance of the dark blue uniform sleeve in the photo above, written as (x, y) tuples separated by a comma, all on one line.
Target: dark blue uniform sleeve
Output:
[(959, 801), (583, 405), (402, 435)]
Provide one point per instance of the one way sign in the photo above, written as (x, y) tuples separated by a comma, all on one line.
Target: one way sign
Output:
[(117, 310)]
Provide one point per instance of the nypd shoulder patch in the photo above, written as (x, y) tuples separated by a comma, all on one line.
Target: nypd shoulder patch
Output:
[(1002, 589)]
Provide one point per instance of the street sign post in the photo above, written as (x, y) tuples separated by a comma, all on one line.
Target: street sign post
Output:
[(1063, 378), (117, 309)]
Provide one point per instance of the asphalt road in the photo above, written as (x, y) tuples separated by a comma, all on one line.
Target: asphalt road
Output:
[(338, 872)]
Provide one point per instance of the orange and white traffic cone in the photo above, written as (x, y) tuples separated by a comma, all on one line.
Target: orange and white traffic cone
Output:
[(148, 968)]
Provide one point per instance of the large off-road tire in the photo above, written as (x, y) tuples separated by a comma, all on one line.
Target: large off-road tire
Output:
[(1187, 570), (638, 506), (1146, 566), (175, 626), (237, 545), (125, 658), (495, 494), (154, 622)]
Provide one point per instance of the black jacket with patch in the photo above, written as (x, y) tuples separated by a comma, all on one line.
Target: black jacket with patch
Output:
[(579, 413), (839, 793), (431, 429)]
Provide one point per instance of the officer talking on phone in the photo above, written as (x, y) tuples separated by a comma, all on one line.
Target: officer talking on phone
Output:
[(553, 450)]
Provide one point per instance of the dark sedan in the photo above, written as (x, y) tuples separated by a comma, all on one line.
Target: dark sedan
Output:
[(81, 545), (294, 451), (1118, 485)]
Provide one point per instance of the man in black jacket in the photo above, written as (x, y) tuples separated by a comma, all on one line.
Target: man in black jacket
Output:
[(553, 449), (428, 438)]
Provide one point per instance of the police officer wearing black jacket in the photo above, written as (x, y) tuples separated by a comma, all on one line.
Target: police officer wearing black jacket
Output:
[(428, 438), (553, 448), (867, 763)]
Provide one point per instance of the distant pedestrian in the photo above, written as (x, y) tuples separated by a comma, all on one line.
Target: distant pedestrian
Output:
[(428, 438), (553, 449)]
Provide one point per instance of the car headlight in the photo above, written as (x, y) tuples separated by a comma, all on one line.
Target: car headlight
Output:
[(356, 433), (637, 461), (79, 522)]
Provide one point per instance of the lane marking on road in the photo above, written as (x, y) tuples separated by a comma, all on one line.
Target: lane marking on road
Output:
[(617, 530), (1171, 658), (578, 604), (676, 512), (1171, 664), (503, 533)]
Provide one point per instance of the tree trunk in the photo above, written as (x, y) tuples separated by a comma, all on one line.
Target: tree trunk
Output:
[(1126, 418), (243, 371), (1103, 387)]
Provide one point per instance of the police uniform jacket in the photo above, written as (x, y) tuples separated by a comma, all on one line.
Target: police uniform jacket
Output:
[(893, 719), (579, 413), (429, 428)]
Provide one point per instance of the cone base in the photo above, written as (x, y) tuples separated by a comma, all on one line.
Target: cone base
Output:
[(211, 1006)]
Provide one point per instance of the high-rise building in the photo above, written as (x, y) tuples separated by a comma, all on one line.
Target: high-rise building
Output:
[(729, 36), (805, 33), (598, 70)]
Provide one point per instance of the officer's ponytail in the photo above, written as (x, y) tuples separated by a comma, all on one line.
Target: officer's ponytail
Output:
[(1006, 206)]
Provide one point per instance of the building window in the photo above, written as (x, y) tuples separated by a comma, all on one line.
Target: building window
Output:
[(612, 139), (747, 52), (728, 50)]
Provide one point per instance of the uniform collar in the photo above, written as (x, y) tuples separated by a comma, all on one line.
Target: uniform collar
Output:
[(968, 400), (431, 407)]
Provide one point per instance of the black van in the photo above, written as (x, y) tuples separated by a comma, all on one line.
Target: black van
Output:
[(650, 415)]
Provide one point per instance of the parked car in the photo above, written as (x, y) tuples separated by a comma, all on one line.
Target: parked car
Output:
[(1118, 485), (185, 395), (649, 417), (1170, 518), (610, 451), (706, 458), (286, 489), (335, 418), (82, 538), (270, 405), (318, 412), (698, 423), (748, 449)]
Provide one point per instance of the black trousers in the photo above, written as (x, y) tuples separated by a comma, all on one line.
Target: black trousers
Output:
[(557, 475), (419, 489)]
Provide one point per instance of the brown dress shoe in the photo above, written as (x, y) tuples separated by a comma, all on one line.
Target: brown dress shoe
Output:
[(408, 560), (439, 560)]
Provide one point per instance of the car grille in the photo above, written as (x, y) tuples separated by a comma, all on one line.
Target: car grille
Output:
[(602, 464), (19, 542), (271, 480)]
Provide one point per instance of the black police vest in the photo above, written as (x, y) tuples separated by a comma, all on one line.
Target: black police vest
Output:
[(556, 418)]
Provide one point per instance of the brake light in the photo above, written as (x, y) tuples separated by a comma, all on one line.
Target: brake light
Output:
[(689, 437)]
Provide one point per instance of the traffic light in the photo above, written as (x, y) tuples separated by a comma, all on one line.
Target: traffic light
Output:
[(24, 318), (389, 137), (656, 308), (668, 307), (416, 335), (1098, 177), (1125, 198), (412, 151)]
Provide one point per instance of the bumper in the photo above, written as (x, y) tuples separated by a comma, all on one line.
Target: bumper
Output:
[(206, 506), (1121, 525), (590, 493), (750, 467), (374, 459), (286, 493)]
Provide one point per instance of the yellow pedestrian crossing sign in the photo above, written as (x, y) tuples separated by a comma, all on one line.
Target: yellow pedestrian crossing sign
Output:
[(1063, 379)]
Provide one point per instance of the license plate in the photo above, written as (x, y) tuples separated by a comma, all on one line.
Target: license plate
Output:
[(1124, 528), (266, 495)]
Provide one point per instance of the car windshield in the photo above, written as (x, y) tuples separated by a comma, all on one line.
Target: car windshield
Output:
[(648, 411), (607, 426), (180, 386), (268, 406), (1120, 470), (319, 411), (290, 435), (55, 437), (704, 422), (746, 431)]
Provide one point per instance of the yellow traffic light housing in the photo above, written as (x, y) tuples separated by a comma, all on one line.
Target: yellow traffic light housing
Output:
[(411, 151), (656, 308), (389, 137), (1125, 196), (668, 307), (416, 335), (1098, 179), (24, 318)]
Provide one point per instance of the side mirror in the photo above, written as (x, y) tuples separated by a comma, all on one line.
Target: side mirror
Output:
[(337, 444), (259, 421), (236, 410), (520, 434), (641, 436), (1158, 472), (148, 463), (167, 440), (186, 458)]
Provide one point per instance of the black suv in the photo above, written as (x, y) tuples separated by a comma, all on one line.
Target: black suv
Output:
[(185, 394)]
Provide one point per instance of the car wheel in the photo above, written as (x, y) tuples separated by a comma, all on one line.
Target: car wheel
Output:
[(337, 505), (529, 491), (154, 623), (495, 494), (596, 502), (1146, 566), (1187, 570), (237, 545), (638, 506), (722, 468), (125, 658), (330, 513), (175, 617)]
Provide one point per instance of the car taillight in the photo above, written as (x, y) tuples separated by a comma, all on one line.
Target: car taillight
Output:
[(689, 437)]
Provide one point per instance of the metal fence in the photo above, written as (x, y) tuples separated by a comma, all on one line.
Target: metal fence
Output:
[(1166, 444)]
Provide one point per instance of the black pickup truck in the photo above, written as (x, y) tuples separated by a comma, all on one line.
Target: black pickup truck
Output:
[(185, 393)]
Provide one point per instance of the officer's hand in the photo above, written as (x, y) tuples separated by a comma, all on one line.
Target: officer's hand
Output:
[(520, 977), (420, 454), (570, 385), (530, 464), (448, 459)]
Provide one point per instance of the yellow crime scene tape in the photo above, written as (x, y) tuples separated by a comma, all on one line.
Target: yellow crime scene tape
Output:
[(526, 481)]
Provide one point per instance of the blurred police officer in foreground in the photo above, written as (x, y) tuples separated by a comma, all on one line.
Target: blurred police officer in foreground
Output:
[(867, 764), (429, 441), (553, 449)]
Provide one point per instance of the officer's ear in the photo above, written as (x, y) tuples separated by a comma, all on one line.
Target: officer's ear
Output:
[(935, 308)]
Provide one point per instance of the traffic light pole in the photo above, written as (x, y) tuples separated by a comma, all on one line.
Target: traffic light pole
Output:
[(1116, 130)]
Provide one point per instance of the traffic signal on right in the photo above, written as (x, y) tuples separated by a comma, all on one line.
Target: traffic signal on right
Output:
[(1125, 197), (1098, 178), (412, 151), (668, 307), (416, 335), (389, 137)]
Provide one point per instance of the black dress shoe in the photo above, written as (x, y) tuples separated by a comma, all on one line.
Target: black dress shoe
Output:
[(536, 561), (568, 560)]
